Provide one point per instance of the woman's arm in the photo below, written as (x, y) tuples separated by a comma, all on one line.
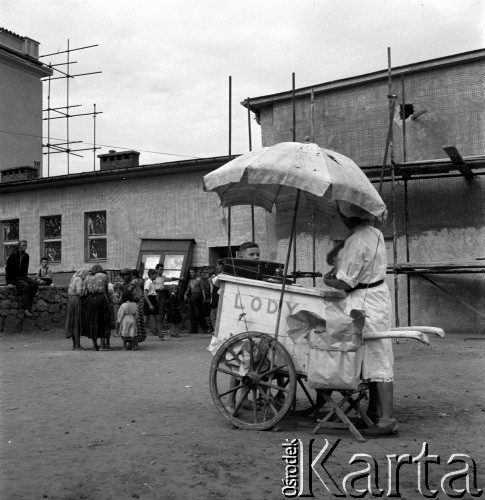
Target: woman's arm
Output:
[(330, 280), (333, 253)]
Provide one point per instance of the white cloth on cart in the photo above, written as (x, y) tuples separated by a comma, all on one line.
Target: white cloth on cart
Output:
[(363, 259)]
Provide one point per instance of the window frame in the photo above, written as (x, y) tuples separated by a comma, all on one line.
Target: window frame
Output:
[(163, 248), (88, 237), (8, 243), (45, 240)]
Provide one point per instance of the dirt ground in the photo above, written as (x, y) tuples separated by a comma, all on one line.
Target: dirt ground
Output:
[(122, 424)]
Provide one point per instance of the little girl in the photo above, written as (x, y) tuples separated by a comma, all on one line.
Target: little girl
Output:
[(126, 321), (174, 317)]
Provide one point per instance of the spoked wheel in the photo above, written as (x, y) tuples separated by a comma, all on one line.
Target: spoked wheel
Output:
[(304, 402), (244, 384)]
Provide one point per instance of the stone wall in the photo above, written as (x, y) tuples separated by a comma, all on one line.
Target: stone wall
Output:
[(49, 310)]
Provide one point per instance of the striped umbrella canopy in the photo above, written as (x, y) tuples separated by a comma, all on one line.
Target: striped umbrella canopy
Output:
[(273, 175)]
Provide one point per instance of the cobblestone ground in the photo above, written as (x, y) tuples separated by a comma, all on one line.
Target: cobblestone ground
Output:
[(121, 424)]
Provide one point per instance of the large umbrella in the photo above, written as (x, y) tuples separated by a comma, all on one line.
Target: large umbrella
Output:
[(290, 175), (272, 176)]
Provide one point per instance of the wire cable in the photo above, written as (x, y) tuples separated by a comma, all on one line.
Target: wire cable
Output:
[(103, 145)]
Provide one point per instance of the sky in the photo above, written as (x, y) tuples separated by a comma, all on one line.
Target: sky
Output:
[(164, 86)]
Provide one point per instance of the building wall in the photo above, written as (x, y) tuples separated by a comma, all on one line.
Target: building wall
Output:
[(354, 120), (445, 224), (446, 216), (20, 116), (165, 207), (175, 207)]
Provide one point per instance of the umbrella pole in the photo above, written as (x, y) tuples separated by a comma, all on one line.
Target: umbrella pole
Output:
[(292, 235)]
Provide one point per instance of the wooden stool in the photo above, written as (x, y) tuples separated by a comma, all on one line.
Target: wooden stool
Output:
[(339, 409)]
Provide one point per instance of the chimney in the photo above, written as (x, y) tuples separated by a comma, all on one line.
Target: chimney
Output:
[(118, 159), (19, 174)]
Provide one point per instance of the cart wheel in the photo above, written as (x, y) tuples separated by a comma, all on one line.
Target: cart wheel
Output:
[(304, 402), (245, 368)]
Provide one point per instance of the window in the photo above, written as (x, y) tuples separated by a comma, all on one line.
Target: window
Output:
[(51, 229), (175, 255), (96, 247), (10, 237)]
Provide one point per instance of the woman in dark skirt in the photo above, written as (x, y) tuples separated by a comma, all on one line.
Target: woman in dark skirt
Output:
[(98, 318), (75, 319)]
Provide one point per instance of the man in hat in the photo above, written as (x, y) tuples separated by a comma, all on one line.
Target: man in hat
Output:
[(16, 273)]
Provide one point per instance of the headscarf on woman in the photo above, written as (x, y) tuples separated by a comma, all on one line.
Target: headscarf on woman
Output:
[(80, 273)]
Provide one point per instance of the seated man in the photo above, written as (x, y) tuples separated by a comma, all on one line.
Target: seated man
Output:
[(44, 274), (16, 273)]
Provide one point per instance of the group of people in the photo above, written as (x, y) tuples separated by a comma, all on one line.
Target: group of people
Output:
[(204, 302), (88, 308), (131, 307)]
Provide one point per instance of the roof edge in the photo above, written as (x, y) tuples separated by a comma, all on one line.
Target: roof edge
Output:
[(431, 64), (154, 169)]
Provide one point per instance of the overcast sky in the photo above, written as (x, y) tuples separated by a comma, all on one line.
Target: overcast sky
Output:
[(166, 64)]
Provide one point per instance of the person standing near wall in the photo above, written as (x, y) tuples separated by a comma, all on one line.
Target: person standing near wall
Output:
[(195, 294), (135, 286), (174, 316), (16, 273), (151, 305), (162, 294), (75, 317), (214, 286), (98, 317)]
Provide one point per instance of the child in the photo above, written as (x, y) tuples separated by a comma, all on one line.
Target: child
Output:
[(174, 317), (126, 321), (150, 305), (44, 274), (249, 250)]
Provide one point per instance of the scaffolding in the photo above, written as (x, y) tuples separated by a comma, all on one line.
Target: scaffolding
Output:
[(392, 172), (454, 166), (64, 112)]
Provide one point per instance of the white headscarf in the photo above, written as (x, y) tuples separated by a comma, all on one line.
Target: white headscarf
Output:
[(80, 273)]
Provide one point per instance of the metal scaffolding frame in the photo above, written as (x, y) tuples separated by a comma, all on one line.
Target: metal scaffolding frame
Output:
[(391, 171), (64, 112), (431, 169)]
